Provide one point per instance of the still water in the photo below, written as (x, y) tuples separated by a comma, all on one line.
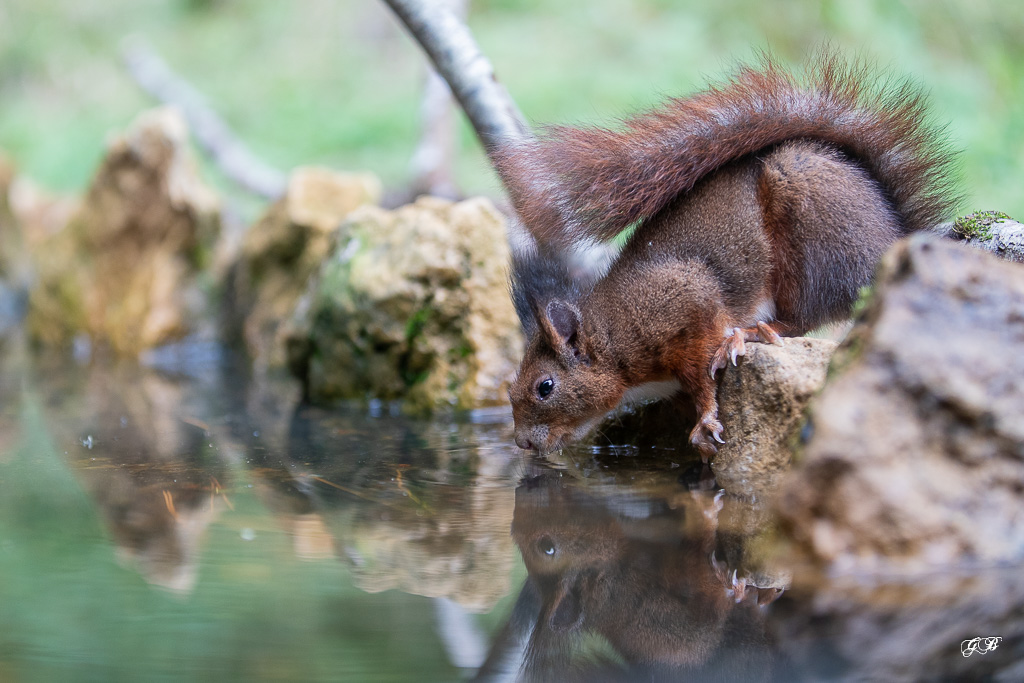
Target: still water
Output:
[(184, 522)]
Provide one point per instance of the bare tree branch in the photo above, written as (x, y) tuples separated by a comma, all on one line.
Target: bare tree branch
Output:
[(448, 43), (210, 131), (432, 163)]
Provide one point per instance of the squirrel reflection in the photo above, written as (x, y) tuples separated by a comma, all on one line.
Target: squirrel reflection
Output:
[(642, 577)]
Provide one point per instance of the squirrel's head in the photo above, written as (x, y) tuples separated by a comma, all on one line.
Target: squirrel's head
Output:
[(562, 390)]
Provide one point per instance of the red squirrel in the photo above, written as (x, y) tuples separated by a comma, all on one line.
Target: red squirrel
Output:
[(761, 207)]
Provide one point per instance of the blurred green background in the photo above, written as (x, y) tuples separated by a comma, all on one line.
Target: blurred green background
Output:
[(337, 82)]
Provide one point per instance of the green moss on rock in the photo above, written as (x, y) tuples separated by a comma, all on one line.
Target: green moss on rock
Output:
[(411, 305), (978, 224)]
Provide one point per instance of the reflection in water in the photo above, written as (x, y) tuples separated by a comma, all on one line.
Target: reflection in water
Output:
[(137, 444), (278, 541), (407, 505), (419, 507), (628, 588)]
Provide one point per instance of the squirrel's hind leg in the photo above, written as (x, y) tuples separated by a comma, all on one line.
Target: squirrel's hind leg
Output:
[(708, 429)]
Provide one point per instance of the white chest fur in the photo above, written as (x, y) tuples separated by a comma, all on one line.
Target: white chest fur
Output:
[(649, 392)]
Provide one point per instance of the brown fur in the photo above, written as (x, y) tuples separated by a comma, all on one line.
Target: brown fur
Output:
[(646, 586), (758, 201)]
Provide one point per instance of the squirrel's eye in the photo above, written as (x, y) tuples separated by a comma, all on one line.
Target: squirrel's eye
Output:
[(546, 546), (545, 387)]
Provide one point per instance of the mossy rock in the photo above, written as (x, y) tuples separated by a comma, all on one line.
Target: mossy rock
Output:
[(411, 305)]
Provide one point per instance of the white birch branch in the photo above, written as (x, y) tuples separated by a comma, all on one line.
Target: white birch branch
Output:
[(433, 161), (456, 56)]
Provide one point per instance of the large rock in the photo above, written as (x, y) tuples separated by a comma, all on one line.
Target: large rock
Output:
[(124, 271), (38, 213), (7, 228), (761, 405), (412, 304), (917, 453), (281, 250)]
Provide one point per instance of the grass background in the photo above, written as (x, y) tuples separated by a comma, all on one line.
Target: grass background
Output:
[(336, 82)]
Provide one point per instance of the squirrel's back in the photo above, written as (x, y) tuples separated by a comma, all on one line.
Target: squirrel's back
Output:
[(574, 184)]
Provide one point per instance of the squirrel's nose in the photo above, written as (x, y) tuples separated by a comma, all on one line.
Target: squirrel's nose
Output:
[(524, 442)]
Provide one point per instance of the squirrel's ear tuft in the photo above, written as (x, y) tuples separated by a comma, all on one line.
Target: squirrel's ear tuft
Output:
[(536, 279), (562, 324)]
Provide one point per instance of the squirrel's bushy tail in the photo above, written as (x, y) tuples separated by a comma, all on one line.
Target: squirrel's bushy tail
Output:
[(571, 184)]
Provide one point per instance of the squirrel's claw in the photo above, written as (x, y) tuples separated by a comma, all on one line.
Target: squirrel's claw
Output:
[(768, 335), (720, 568), (718, 361), (742, 590), (704, 435), (736, 346), (766, 596), (731, 348)]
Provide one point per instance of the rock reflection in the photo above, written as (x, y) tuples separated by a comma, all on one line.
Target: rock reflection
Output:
[(910, 628), (137, 445), (419, 507), (626, 586)]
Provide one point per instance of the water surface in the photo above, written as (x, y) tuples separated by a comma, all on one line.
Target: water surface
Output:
[(185, 522)]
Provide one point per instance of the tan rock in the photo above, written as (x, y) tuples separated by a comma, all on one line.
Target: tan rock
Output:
[(761, 405), (125, 268), (11, 254), (283, 248), (991, 231), (320, 198), (29, 215), (412, 304), (917, 454)]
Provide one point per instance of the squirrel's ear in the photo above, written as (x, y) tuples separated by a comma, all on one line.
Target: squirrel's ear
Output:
[(566, 612), (562, 323)]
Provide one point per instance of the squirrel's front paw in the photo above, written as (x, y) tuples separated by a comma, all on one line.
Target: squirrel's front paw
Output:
[(705, 434), (731, 348), (734, 346)]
